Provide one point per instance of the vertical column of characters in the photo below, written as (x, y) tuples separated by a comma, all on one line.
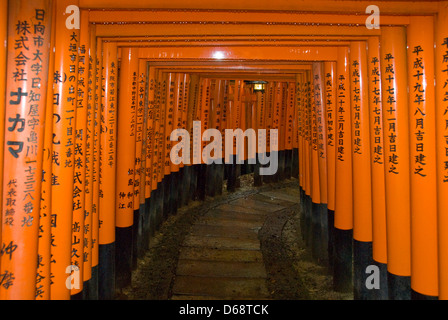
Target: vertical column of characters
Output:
[(44, 252), (299, 116), (330, 114), (307, 116), (315, 92), (343, 219), (422, 135), (151, 181), (29, 30), (396, 129), (377, 160), (138, 100), (107, 182), (90, 136), (362, 185), (125, 165), (65, 82), (79, 181), (441, 72)]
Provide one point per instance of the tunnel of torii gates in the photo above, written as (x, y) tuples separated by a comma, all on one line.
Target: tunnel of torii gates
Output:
[(88, 108)]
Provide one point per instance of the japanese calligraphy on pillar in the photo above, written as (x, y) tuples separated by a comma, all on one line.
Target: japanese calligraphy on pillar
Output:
[(341, 118), (65, 81), (389, 112), (376, 111), (418, 103), (108, 145), (330, 108), (79, 208), (357, 139), (26, 93), (444, 76)]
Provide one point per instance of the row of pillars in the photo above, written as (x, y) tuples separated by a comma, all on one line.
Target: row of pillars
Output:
[(87, 171), (373, 131)]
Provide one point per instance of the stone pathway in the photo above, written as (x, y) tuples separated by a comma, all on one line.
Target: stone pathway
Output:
[(221, 258)]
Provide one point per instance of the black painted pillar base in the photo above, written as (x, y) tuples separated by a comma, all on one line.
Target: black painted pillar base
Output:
[(258, 179), (77, 297), (362, 259), (123, 263), (137, 234), (323, 213), (158, 199), (106, 272), (308, 223), (238, 176), (202, 181), (210, 180), (295, 163), (174, 193), (330, 215), (231, 177), (343, 253), (194, 182), (399, 287), (166, 184), (288, 164), (219, 179), (91, 286), (186, 184), (315, 231), (147, 225), (420, 296)]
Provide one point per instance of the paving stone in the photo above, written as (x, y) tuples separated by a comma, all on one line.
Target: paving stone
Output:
[(209, 254), (282, 196), (221, 269), (226, 243), (236, 288), (257, 205), (272, 200), (202, 230)]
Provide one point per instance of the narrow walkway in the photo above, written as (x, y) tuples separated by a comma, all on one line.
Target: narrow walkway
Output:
[(221, 257)]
